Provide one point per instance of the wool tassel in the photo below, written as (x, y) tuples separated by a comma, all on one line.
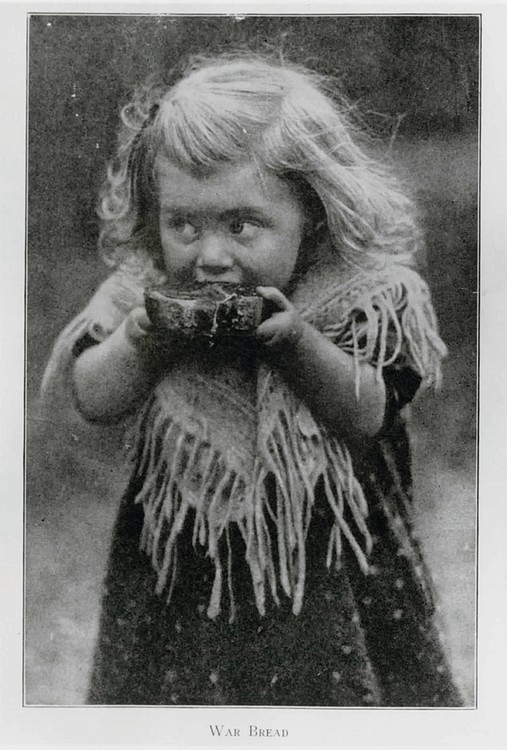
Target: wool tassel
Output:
[(216, 591), (232, 603)]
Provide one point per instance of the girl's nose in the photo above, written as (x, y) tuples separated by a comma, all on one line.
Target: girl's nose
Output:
[(213, 258)]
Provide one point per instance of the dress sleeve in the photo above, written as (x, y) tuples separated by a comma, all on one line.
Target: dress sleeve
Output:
[(401, 380), (401, 383)]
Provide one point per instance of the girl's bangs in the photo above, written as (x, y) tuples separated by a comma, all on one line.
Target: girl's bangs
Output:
[(197, 136)]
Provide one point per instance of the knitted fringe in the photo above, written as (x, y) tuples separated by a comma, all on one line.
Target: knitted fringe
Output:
[(197, 477), (397, 317)]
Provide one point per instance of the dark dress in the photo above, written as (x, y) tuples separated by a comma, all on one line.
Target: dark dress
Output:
[(360, 640)]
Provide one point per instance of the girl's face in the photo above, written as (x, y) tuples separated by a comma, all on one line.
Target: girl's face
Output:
[(239, 224)]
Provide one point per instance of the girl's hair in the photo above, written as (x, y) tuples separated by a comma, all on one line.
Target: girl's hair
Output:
[(288, 120)]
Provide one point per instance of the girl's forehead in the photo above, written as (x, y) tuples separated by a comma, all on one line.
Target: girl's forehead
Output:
[(228, 185)]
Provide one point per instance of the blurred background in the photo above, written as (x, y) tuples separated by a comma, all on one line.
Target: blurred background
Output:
[(415, 80)]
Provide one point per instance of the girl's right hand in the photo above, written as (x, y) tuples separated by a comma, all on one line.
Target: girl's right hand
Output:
[(114, 377)]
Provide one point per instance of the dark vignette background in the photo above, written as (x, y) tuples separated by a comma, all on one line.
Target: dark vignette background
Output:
[(416, 82)]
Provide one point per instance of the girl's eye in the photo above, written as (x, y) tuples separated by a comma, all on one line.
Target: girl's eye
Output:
[(185, 229), (243, 228)]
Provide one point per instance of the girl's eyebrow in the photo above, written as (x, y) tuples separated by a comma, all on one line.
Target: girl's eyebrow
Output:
[(190, 210), (245, 211)]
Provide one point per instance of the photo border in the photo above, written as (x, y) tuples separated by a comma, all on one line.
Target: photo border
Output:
[(134, 726)]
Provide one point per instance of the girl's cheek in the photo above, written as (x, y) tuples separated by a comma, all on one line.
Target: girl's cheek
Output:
[(176, 256)]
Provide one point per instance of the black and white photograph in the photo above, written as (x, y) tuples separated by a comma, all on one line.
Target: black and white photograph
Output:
[(254, 280), (251, 361)]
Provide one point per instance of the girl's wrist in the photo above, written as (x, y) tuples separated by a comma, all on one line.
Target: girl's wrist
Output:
[(293, 342)]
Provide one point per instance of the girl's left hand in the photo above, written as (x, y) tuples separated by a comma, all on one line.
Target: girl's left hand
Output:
[(284, 326)]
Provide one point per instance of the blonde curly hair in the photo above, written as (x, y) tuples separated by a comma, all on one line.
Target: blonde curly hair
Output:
[(291, 121)]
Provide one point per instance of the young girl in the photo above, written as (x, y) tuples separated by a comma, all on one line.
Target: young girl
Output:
[(263, 552)]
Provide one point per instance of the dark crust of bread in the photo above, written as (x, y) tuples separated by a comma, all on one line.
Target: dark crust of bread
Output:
[(206, 310)]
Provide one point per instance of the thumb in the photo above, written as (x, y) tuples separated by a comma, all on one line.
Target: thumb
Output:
[(275, 296)]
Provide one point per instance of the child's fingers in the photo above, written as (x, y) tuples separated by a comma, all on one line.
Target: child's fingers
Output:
[(268, 332), (274, 295), (142, 319), (137, 324), (281, 327)]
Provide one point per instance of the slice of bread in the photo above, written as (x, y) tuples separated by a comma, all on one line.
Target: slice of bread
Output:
[(210, 310)]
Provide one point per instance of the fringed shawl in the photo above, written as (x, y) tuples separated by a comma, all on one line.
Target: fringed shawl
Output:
[(235, 445)]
